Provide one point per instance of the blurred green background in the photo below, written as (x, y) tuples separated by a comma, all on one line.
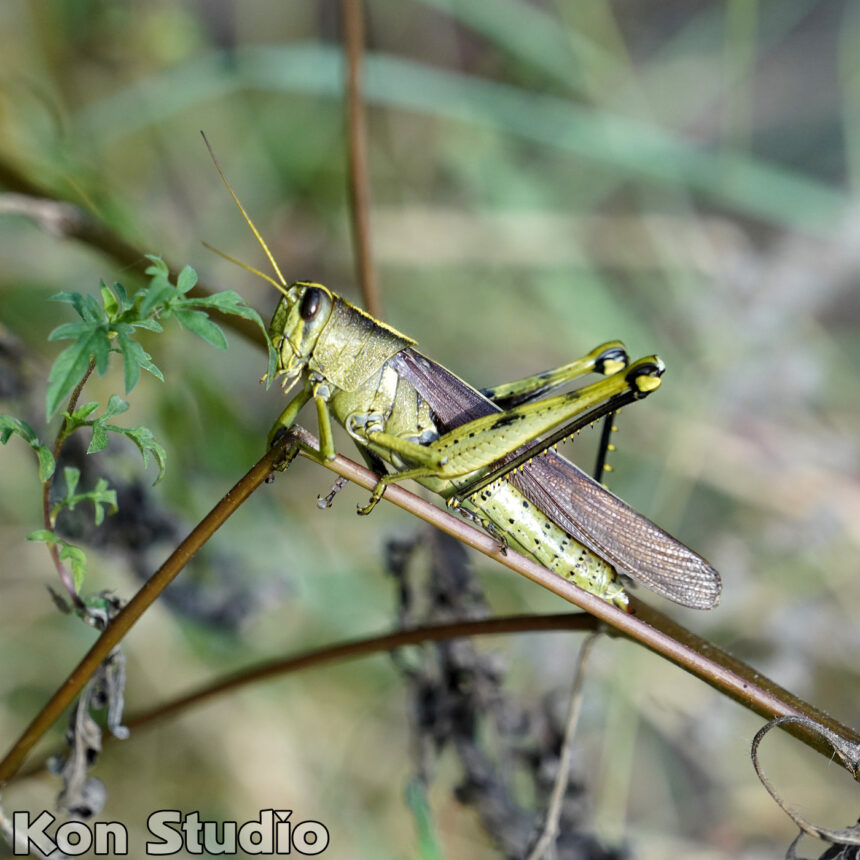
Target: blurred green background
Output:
[(545, 176)]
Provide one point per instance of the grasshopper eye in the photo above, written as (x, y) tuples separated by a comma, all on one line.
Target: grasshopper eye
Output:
[(311, 302)]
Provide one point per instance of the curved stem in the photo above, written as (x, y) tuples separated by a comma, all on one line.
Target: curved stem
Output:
[(350, 650), (148, 592), (644, 625)]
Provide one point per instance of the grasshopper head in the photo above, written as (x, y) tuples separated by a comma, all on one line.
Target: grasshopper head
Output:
[(297, 324)]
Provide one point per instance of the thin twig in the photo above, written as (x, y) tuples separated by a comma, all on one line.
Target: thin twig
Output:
[(358, 170), (645, 625), (350, 650), (546, 843), (127, 617)]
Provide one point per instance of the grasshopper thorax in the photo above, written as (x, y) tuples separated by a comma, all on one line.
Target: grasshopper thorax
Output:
[(317, 331)]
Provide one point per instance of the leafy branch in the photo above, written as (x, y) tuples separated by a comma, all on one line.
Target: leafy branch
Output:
[(141, 436), (108, 326)]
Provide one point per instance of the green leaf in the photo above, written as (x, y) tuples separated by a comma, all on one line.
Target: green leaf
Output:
[(156, 297), (134, 356), (199, 323), (100, 439), (111, 305), (158, 267), (159, 293), (46, 462), (149, 324), (80, 415), (186, 280), (10, 425), (230, 302), (146, 444), (101, 496), (87, 307), (226, 301), (116, 406), (74, 555), (72, 476), (69, 330), (77, 560), (121, 293), (71, 364)]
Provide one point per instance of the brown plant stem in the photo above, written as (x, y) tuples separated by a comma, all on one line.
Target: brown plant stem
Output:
[(357, 164), (350, 650), (644, 625), (127, 617)]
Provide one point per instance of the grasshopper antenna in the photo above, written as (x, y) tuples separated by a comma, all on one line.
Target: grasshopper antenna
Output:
[(245, 266), (248, 221)]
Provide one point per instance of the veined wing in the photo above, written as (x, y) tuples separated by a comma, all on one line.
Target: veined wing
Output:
[(592, 515), (609, 527)]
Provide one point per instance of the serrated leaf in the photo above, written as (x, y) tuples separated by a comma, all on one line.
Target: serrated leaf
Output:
[(46, 462), (199, 323), (230, 302), (68, 552), (134, 356), (149, 324), (9, 425), (122, 294), (116, 406), (70, 366), (158, 267), (82, 412), (77, 560), (130, 368), (101, 351), (158, 293), (186, 280), (101, 496), (226, 301), (72, 476), (109, 300), (146, 444), (69, 330), (93, 311), (76, 300), (99, 441)]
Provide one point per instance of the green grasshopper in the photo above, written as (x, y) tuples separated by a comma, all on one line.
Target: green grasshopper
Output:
[(489, 453)]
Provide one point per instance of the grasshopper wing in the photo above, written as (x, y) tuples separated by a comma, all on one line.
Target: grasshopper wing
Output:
[(588, 512), (609, 527)]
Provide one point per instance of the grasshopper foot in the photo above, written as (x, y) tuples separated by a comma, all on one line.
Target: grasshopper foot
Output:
[(326, 501), (289, 453), (377, 495)]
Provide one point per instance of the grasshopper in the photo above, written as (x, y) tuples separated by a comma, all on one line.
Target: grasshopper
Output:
[(489, 454), (476, 450)]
